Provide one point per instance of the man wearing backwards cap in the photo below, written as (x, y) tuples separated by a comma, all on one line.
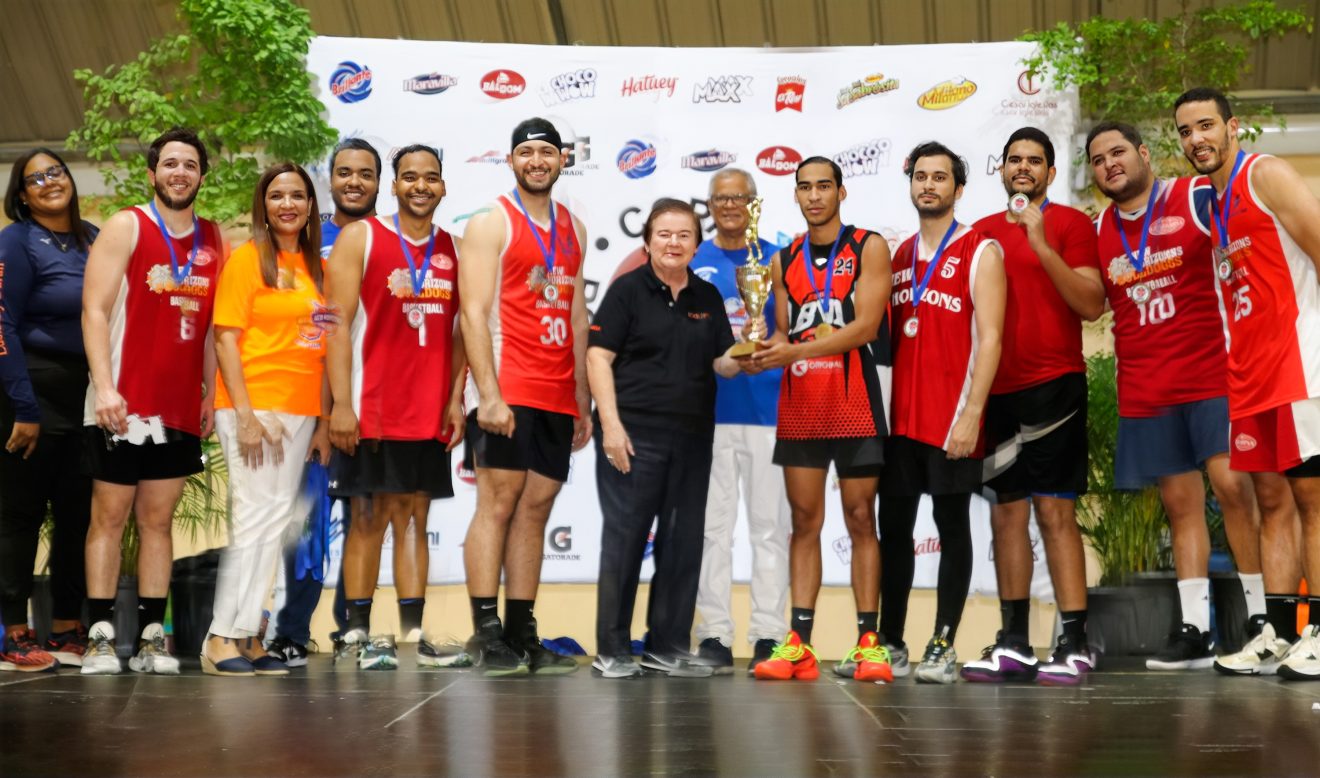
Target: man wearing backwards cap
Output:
[(525, 328)]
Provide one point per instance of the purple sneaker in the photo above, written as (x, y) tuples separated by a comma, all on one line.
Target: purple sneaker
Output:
[(1003, 661), (1068, 666)]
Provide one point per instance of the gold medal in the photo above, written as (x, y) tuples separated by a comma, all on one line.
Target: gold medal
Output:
[(824, 331)]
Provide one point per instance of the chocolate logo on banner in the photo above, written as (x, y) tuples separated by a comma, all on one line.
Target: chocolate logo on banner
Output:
[(864, 159), (350, 82), (429, 83), (708, 161), (947, 94), (723, 89), (789, 93), (778, 161), (503, 84), (574, 85), (637, 159)]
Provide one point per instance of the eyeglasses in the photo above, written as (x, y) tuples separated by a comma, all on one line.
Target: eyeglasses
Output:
[(39, 178), (739, 199)]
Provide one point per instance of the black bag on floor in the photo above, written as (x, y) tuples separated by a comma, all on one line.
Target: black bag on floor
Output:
[(192, 592)]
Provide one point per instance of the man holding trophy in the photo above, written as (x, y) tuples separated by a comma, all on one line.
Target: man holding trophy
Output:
[(736, 261)]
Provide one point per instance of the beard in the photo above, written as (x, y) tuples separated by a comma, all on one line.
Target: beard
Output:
[(936, 210), (1134, 185), (528, 186), (353, 211), (176, 203), (1206, 168)]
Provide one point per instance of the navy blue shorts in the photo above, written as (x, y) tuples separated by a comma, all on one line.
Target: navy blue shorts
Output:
[(1178, 441)]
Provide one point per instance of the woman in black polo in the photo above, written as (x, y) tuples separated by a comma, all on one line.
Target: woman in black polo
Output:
[(656, 343)]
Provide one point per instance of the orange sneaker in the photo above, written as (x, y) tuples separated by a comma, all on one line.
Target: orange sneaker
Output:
[(790, 659), (869, 660)]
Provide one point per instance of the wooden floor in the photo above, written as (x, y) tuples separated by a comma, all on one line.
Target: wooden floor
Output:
[(323, 721)]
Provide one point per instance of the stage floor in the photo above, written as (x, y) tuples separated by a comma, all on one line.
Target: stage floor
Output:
[(323, 721)]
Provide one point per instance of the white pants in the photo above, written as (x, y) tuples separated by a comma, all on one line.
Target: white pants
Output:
[(263, 503), (742, 457)]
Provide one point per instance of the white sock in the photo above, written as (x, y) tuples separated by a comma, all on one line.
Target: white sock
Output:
[(1253, 586), (1194, 594)]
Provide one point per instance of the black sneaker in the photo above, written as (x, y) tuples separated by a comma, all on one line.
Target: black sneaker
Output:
[(1188, 649), (541, 660), (492, 654), (761, 651), (290, 653), (716, 655)]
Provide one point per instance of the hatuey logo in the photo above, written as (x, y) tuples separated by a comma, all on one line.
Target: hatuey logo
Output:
[(350, 82), (723, 89), (778, 161), (574, 85), (503, 84), (637, 159), (947, 94), (429, 83), (708, 161), (864, 159), (649, 84), (789, 94)]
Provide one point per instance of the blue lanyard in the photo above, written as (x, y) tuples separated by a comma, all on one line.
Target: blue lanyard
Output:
[(547, 256), (175, 273), (417, 277), (1044, 204), (919, 289), (1139, 261), (829, 270), (1223, 209)]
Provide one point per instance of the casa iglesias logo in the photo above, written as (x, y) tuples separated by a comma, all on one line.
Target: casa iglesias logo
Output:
[(789, 93), (870, 86), (778, 161), (429, 83), (723, 89), (503, 84), (350, 82), (649, 85), (947, 94), (708, 161), (637, 159), (1026, 83)]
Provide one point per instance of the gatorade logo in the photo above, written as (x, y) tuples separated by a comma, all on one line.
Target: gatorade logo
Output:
[(1244, 442)]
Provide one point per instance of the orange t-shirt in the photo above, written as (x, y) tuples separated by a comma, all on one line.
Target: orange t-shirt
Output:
[(282, 347)]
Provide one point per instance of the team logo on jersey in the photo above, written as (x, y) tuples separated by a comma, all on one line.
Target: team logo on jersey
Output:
[(574, 85), (947, 94), (429, 83), (864, 159), (789, 93), (1166, 225), (708, 161), (723, 89), (161, 281), (778, 160), (874, 84), (652, 85), (637, 159), (503, 84), (798, 368), (1244, 442), (1120, 268), (313, 327), (442, 262), (350, 82)]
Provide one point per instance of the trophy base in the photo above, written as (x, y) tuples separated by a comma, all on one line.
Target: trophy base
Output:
[(747, 348)]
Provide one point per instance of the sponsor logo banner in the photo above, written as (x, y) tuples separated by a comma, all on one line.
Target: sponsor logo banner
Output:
[(723, 89), (864, 159), (778, 161), (637, 159), (429, 83), (503, 84), (874, 84), (790, 93), (351, 82), (652, 85), (574, 85), (947, 94), (708, 161)]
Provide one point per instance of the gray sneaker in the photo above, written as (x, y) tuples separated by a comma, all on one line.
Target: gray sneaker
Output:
[(152, 656), (939, 664), (898, 661), (616, 667), (677, 666), (378, 653), (446, 653), (100, 658)]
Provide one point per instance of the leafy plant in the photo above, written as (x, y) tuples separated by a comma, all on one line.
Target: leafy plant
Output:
[(1133, 69), (236, 75)]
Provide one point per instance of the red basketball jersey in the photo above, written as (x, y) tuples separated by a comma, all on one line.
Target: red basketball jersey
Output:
[(839, 396), (402, 374), (1273, 300), (1168, 316), (933, 369), (158, 327)]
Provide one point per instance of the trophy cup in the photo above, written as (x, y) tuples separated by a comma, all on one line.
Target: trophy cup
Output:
[(753, 286)]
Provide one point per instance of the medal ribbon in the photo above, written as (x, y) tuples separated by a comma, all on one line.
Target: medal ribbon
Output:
[(829, 271), (1139, 261), (919, 289), (1223, 209), (547, 255), (175, 273), (417, 277)]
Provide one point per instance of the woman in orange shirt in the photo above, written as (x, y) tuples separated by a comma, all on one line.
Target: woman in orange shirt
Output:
[(270, 331)]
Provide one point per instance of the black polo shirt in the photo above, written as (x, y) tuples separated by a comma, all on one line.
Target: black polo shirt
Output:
[(665, 349)]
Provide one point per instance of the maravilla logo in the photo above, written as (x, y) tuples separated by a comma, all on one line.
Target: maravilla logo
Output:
[(947, 94)]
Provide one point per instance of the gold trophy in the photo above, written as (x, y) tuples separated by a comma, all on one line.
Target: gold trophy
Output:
[(753, 286)]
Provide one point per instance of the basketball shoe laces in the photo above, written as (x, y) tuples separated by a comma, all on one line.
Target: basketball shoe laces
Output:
[(791, 653)]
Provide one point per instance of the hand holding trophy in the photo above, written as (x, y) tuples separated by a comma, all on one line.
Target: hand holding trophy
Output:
[(753, 286)]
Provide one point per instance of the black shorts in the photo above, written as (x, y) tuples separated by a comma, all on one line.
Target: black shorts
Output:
[(1036, 441), (542, 442), (1309, 468), (121, 462), (913, 468), (392, 467), (852, 457)]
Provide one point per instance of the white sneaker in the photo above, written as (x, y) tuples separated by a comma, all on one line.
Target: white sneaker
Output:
[(100, 658), (616, 667), (1302, 662), (152, 656), (1259, 657), (939, 664)]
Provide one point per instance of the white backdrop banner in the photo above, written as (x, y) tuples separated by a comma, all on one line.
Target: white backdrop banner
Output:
[(645, 123)]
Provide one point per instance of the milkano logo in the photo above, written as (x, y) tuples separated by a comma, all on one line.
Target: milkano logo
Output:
[(637, 159), (350, 82), (429, 83)]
